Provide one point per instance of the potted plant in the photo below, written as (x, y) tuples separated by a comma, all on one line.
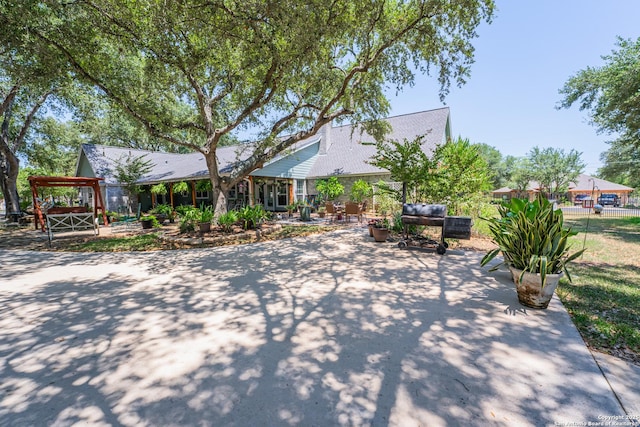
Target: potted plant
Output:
[(322, 211), (181, 187), (149, 221), (159, 189), (292, 207), (205, 217), (534, 245), (380, 230), (163, 212)]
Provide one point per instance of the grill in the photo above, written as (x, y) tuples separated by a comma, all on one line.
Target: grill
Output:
[(422, 214)]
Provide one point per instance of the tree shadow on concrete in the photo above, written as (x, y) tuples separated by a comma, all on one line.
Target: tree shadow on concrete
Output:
[(328, 330)]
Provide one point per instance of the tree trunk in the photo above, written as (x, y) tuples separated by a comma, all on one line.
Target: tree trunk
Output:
[(9, 184), (218, 187), (9, 166)]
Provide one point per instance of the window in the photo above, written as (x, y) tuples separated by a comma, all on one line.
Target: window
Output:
[(202, 195), (299, 189)]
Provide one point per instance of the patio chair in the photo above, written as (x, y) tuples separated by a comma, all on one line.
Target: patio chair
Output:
[(331, 210), (363, 211), (351, 209)]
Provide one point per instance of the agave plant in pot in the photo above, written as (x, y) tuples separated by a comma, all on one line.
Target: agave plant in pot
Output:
[(534, 245)]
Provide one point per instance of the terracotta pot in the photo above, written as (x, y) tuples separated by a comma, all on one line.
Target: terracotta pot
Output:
[(531, 293), (380, 234), (371, 230)]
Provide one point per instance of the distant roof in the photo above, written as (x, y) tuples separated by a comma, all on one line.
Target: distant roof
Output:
[(346, 154), (586, 183)]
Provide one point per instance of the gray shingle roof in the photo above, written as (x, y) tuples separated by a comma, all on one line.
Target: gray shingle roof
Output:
[(347, 155), (166, 166)]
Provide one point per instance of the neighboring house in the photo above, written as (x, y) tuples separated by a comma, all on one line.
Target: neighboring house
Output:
[(585, 185), (334, 151)]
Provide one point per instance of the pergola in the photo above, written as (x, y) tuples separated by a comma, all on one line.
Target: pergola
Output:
[(65, 181)]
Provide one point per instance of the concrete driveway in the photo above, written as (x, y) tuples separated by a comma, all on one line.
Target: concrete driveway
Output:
[(329, 330)]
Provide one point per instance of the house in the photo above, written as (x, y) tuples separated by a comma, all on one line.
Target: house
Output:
[(584, 185), (334, 151)]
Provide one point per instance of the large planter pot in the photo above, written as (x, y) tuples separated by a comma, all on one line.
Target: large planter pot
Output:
[(380, 234), (146, 223), (531, 293), (205, 227)]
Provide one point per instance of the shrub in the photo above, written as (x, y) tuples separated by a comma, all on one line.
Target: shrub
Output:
[(227, 220), (252, 216), (360, 190)]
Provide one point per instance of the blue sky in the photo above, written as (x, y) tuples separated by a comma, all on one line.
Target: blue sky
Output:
[(522, 59)]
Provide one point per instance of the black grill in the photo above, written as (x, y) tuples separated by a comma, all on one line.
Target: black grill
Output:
[(422, 214)]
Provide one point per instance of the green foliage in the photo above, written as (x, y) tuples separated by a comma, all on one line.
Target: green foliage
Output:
[(189, 217), (181, 187), (252, 216), (329, 189), (521, 174), (129, 170), (159, 189), (531, 237), (154, 221), (227, 220), (163, 209), (205, 213), (406, 161), (610, 93), (553, 169), (496, 165), (460, 175), (282, 67), (620, 164), (387, 199), (204, 185), (360, 190)]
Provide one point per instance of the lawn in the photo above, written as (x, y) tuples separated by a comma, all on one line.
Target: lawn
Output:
[(604, 298)]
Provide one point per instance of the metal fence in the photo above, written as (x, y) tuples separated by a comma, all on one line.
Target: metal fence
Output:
[(609, 212)]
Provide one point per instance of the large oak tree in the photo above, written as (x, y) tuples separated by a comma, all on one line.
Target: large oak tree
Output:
[(611, 95), (195, 71)]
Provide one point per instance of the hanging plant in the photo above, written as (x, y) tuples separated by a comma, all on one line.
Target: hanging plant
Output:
[(181, 187), (203, 185), (159, 189)]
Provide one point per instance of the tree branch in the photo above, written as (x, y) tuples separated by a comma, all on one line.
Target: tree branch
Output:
[(27, 121)]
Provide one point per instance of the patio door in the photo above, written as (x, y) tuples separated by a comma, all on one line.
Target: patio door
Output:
[(270, 197), (274, 195)]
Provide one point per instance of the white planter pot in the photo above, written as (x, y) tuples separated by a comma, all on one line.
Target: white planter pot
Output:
[(531, 293)]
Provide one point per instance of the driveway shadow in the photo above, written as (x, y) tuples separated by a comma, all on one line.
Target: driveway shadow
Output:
[(328, 330)]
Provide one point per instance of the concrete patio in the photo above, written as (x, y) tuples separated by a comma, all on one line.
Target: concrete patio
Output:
[(328, 330)]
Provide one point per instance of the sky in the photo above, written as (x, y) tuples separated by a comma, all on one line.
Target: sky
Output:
[(522, 59)]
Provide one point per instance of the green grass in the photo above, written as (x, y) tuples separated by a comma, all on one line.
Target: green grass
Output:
[(143, 242), (604, 298), (151, 241)]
